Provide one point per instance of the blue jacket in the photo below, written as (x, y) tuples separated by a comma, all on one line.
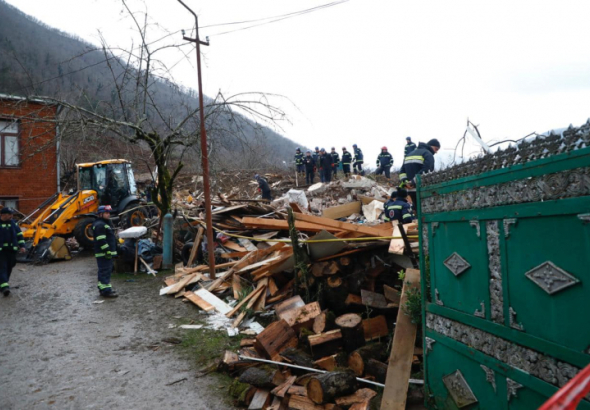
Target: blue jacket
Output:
[(398, 210), (384, 159), (346, 158), (105, 242), (11, 237), (410, 146), (335, 158), (299, 158), (358, 155), (419, 161)]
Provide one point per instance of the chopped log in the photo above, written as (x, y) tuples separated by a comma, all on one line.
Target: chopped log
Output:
[(262, 377), (298, 357), (289, 304), (335, 294), (360, 396), (327, 363), (228, 361), (374, 300), (325, 344), (277, 337), (391, 294), (298, 390), (331, 269), (358, 358), (317, 269), (304, 338), (324, 321), (353, 299), (351, 326), (324, 388), (301, 317), (361, 406), (303, 403), (402, 351), (376, 369), (260, 400), (282, 389), (375, 328), (247, 342)]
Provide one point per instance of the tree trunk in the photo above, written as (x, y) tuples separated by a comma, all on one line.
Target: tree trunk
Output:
[(358, 358), (263, 376), (351, 326), (326, 387)]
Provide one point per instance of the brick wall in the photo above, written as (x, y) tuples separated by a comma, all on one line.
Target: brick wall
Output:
[(35, 179)]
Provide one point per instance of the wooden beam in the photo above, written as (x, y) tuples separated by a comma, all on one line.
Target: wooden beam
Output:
[(196, 245), (283, 225), (402, 351), (343, 226), (342, 211)]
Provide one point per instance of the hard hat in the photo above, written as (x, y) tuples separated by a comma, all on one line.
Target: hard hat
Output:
[(409, 138), (317, 148), (298, 149), (384, 148), (322, 150), (354, 145), (308, 152), (104, 208)]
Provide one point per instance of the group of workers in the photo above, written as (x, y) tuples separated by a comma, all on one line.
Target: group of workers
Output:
[(417, 160)]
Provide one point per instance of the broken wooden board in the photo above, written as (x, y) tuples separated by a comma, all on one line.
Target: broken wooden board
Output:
[(302, 316), (259, 264), (196, 244), (210, 298), (342, 211), (402, 351), (289, 304), (251, 295), (397, 246), (344, 226), (277, 337), (375, 327), (260, 400), (359, 396), (325, 344), (283, 225), (200, 302), (282, 389), (391, 294)]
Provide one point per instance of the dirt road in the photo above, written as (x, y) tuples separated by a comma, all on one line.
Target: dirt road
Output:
[(60, 350)]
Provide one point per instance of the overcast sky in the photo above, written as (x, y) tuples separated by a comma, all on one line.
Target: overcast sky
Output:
[(372, 72)]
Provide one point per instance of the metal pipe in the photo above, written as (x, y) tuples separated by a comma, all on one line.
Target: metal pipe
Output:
[(254, 359), (204, 153)]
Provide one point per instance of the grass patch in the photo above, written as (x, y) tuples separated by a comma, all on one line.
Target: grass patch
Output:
[(206, 346)]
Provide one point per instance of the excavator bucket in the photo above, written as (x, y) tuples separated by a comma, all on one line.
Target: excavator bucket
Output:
[(47, 249)]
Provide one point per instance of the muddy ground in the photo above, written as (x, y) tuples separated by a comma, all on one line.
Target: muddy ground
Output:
[(60, 350)]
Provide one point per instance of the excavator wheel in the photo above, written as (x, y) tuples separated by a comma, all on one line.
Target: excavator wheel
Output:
[(135, 217), (83, 233)]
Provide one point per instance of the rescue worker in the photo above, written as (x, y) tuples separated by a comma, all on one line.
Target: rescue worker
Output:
[(263, 187), (326, 165), (11, 242), (316, 157), (346, 160), (309, 164), (299, 161), (398, 208), (335, 161), (384, 162), (357, 165), (419, 161), (410, 146), (105, 248)]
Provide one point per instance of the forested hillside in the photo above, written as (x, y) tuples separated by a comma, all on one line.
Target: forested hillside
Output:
[(38, 60)]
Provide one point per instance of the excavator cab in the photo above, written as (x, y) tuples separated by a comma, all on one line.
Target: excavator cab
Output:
[(109, 182)]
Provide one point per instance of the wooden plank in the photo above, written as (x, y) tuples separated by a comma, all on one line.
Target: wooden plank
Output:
[(251, 303), (181, 284), (200, 302), (283, 225), (210, 298), (234, 246), (277, 337), (244, 301), (301, 316), (375, 328), (344, 226), (232, 255), (258, 306), (402, 351), (196, 244), (342, 211), (260, 400), (282, 389), (366, 200), (259, 264)]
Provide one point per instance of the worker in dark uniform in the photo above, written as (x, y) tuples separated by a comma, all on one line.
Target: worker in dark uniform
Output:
[(384, 162), (335, 161), (299, 162), (11, 242), (419, 161), (316, 157), (263, 187), (326, 165), (357, 165), (398, 208), (346, 161), (410, 146), (105, 249), (309, 164)]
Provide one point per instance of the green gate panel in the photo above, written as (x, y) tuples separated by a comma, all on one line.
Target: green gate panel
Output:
[(505, 261)]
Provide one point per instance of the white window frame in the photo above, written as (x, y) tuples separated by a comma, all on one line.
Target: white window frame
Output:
[(9, 129)]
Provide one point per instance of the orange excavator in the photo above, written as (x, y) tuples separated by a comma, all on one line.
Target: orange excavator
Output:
[(109, 182)]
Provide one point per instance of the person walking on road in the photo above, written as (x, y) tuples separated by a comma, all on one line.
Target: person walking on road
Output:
[(384, 163), (346, 161), (299, 162), (357, 165), (335, 161), (398, 208), (309, 164), (326, 166), (410, 146), (11, 242), (105, 249), (419, 161), (263, 187)]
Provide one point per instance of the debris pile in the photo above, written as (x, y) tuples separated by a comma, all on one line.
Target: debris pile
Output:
[(334, 299)]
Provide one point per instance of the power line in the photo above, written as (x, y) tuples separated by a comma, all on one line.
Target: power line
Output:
[(273, 19)]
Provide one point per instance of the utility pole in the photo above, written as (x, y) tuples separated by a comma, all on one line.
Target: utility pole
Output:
[(204, 152)]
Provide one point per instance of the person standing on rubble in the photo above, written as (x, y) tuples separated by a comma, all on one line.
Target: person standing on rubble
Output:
[(105, 249), (316, 158), (346, 160), (299, 161), (335, 161), (309, 164), (419, 161), (384, 163), (326, 165), (357, 165), (263, 187), (11, 242), (410, 146), (397, 208)]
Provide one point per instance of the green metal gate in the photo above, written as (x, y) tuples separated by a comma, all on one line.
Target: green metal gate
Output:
[(506, 266)]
